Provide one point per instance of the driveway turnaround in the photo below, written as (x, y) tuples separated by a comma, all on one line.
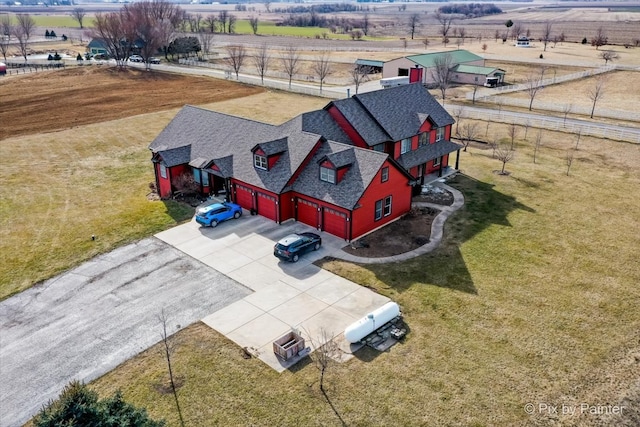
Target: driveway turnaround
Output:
[(87, 321), (298, 296)]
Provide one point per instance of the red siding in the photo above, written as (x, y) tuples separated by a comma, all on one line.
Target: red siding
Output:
[(341, 172), (164, 184), (426, 126), (397, 186), (286, 204), (431, 168), (272, 160), (346, 127)]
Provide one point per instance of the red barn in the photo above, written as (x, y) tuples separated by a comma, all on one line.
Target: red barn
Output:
[(346, 169)]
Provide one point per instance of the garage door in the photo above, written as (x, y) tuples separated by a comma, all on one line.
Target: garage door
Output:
[(335, 222), (244, 197), (307, 212), (267, 206)]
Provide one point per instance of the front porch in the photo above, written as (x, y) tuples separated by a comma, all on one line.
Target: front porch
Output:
[(438, 175)]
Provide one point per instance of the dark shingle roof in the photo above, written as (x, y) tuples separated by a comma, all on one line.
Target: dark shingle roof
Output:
[(349, 190), (397, 109), (228, 140), (272, 147), (427, 153), (320, 122), (362, 121), (341, 158), (176, 156)]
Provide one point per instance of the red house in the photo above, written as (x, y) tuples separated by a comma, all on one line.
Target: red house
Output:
[(346, 169)]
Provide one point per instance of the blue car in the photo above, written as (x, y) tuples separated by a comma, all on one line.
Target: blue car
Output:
[(291, 247), (212, 215)]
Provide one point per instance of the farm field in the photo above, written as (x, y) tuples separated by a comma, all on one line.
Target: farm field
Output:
[(506, 312)]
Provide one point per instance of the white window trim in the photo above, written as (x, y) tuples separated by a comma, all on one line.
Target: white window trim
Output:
[(439, 134), (258, 161), (386, 207), (384, 171), (402, 145), (163, 171), (436, 162), (327, 175)]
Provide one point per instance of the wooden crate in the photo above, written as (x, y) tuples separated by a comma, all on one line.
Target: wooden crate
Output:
[(288, 345)]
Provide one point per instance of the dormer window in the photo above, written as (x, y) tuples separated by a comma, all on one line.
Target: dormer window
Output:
[(260, 161), (327, 175), (439, 134), (405, 145)]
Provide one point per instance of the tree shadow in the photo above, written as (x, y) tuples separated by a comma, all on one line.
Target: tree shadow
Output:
[(445, 267)]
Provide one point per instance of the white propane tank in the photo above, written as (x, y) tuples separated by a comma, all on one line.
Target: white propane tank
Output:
[(372, 321)]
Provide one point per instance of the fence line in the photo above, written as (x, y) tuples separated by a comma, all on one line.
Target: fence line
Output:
[(617, 133)]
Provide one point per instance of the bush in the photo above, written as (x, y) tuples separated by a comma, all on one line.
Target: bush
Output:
[(584, 40), (186, 184), (79, 57), (80, 406), (50, 57)]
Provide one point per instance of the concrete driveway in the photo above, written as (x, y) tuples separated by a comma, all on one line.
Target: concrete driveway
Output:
[(287, 295), (87, 321)]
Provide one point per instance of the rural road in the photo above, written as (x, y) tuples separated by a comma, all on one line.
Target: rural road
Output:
[(92, 318)]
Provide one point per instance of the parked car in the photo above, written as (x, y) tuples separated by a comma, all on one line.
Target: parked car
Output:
[(291, 247), (213, 214), (154, 60), (136, 58)]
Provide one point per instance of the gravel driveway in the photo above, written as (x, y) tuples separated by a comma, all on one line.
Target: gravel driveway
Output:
[(87, 321)]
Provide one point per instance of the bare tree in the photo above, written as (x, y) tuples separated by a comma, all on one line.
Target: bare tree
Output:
[(445, 22), (537, 145), (533, 84), (527, 125), (609, 55), (569, 160), (6, 30), (566, 110), (512, 131), (578, 135), (322, 67), (141, 23), (359, 75), (505, 155), (111, 29), (261, 61), (425, 42), (516, 30), (468, 133), (253, 22), (223, 17), (325, 355), (206, 43), (546, 34), (291, 62), (168, 349), (267, 5), (231, 26), (211, 23), (414, 22), (78, 14), (600, 38), (365, 24), (235, 58), (494, 146), (443, 73), (458, 113), (596, 92), (23, 31)]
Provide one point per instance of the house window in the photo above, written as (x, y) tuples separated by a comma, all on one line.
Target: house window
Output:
[(402, 72), (383, 208), (379, 147), (439, 134), (163, 171), (260, 161), (424, 138), (405, 145), (327, 175), (200, 177), (385, 174), (436, 162)]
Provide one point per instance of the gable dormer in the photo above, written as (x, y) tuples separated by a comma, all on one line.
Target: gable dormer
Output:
[(266, 154), (334, 166)]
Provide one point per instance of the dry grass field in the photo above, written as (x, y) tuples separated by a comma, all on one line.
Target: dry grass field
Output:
[(532, 298)]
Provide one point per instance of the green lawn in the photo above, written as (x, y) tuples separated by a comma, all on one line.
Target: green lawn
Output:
[(60, 189), (532, 297)]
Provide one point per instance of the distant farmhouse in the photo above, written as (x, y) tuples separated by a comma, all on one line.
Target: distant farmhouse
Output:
[(468, 68), (346, 169)]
